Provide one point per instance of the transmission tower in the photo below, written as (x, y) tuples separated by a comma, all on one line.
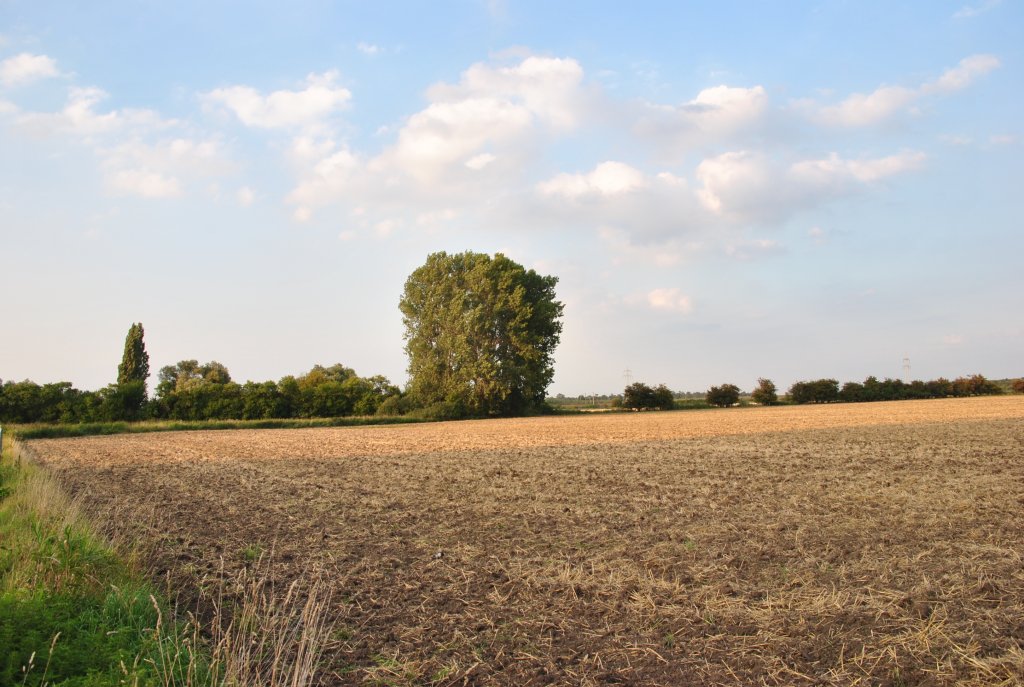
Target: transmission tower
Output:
[(628, 376), (906, 370)]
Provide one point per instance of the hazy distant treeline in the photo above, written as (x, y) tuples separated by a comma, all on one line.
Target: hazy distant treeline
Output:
[(871, 389)]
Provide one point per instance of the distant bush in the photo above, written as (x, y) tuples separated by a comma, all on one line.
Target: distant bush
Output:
[(640, 396), (723, 396), (1018, 386), (817, 391), (765, 394)]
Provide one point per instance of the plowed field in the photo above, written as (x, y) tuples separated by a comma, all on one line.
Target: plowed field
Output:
[(864, 544)]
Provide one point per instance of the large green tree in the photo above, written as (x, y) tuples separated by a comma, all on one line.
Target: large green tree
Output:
[(480, 333), (134, 365)]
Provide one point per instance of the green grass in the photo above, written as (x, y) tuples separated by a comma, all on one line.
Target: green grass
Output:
[(72, 614), (56, 431)]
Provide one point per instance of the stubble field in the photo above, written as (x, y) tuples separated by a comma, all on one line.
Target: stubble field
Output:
[(865, 544)]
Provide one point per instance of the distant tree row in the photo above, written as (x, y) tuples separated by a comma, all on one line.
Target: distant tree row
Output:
[(189, 391), (829, 391), (640, 396)]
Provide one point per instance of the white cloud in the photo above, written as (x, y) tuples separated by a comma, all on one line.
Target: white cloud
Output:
[(750, 250), (953, 339), (310, 107), (607, 179), (751, 186), (156, 169), (25, 68), (818, 235), (963, 75), (971, 11), (670, 300), (145, 183), (494, 117), (955, 140), (860, 109), (491, 107), (715, 114), (480, 161), (245, 196), (368, 48), (1003, 140), (79, 117)]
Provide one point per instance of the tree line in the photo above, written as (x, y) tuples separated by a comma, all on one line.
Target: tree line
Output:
[(480, 333), (640, 396)]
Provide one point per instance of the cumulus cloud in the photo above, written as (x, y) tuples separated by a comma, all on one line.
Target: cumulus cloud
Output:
[(80, 117), (669, 300), (607, 179), (862, 109), (714, 115), (752, 186), (156, 169), (473, 138), (368, 48), (312, 106), (25, 68)]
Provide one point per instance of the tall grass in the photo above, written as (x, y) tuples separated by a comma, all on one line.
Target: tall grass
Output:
[(73, 613)]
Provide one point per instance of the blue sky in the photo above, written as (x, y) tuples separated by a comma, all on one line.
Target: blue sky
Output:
[(726, 191)]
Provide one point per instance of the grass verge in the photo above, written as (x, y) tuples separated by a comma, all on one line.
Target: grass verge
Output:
[(60, 431), (75, 614)]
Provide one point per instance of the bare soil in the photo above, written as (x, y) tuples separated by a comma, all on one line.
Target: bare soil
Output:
[(873, 544)]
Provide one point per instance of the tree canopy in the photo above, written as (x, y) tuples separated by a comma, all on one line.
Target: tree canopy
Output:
[(134, 365), (480, 333)]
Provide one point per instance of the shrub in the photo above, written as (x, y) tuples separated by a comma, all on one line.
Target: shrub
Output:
[(765, 394), (723, 396)]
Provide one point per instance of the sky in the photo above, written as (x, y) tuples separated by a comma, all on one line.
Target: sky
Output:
[(725, 191)]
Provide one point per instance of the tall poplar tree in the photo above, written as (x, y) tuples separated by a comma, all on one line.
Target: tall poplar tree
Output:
[(480, 333), (134, 365)]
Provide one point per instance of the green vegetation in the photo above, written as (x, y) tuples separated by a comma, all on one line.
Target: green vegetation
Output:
[(639, 396), (480, 333), (828, 391), (765, 394), (59, 430), (71, 613), (723, 396)]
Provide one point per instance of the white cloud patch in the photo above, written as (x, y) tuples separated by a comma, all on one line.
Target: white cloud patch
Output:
[(863, 109), (972, 11), (753, 249), (491, 107), (714, 115), (25, 68), (669, 300), (607, 179), (751, 186), (156, 169), (962, 75), (143, 182), (311, 107), (245, 196), (368, 48), (480, 161), (473, 140)]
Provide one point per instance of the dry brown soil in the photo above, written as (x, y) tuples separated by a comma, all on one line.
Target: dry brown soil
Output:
[(873, 544)]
